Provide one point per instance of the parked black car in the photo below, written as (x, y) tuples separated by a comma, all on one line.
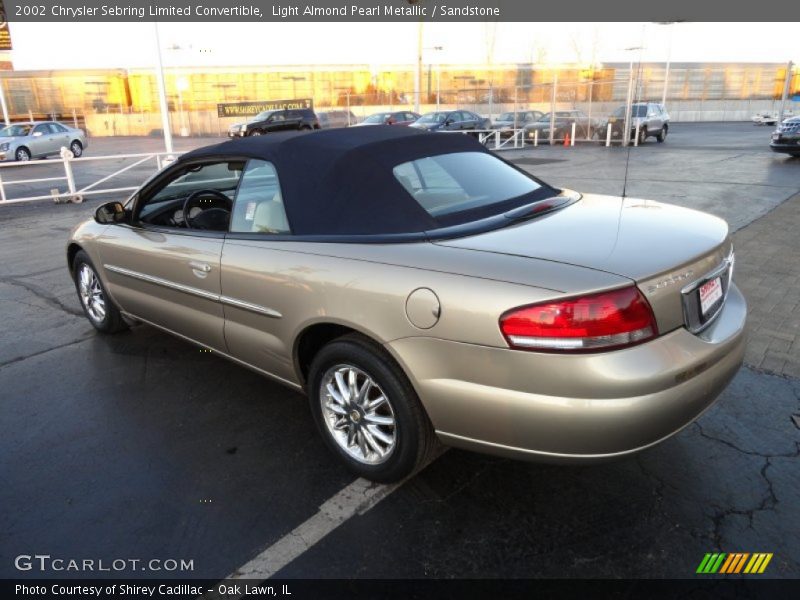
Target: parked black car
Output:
[(786, 138), (270, 121), (451, 120)]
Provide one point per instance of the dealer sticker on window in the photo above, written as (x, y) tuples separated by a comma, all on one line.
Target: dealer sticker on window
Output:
[(709, 294)]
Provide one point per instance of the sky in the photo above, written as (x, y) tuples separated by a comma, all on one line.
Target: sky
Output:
[(130, 45)]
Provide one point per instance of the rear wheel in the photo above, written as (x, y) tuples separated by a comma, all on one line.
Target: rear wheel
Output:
[(77, 148), (367, 411), (97, 306)]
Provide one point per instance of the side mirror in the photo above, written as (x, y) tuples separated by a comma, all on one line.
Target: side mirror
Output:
[(110, 213), (37, 134)]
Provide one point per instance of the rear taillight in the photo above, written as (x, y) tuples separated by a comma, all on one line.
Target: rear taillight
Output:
[(597, 321)]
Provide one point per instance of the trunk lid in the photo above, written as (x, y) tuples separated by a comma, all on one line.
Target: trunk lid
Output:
[(662, 247)]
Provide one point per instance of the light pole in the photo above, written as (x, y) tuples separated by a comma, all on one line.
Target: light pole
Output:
[(438, 73), (3, 104), (626, 126), (669, 56), (162, 94), (182, 84)]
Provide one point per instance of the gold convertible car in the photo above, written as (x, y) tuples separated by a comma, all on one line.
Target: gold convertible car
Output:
[(420, 289)]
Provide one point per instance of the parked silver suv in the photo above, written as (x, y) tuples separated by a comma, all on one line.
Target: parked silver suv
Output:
[(651, 118)]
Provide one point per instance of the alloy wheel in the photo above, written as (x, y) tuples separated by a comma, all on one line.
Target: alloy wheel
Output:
[(358, 414), (91, 293)]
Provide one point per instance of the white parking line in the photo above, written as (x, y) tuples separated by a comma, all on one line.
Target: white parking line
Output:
[(355, 499)]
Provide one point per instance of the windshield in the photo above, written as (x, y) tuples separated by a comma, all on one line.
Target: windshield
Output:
[(637, 110), (377, 118), (434, 117), (466, 185), (16, 130)]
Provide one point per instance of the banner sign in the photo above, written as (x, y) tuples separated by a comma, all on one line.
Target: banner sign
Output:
[(250, 109)]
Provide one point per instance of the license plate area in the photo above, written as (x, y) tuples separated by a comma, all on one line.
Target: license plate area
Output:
[(710, 296), (703, 299)]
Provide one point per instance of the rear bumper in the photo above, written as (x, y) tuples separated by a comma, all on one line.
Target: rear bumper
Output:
[(574, 408), (788, 146)]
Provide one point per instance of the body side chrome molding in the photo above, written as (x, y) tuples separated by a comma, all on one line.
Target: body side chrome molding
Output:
[(163, 282), (256, 308)]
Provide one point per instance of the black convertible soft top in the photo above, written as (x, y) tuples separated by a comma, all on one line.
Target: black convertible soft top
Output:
[(340, 181)]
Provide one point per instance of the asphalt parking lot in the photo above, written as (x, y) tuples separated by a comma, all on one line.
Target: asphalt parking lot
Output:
[(139, 445)]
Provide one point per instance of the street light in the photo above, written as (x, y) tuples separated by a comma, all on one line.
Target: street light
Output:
[(438, 73), (162, 93), (669, 56), (628, 103)]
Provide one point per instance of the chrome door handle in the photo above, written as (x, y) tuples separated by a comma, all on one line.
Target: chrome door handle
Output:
[(200, 268)]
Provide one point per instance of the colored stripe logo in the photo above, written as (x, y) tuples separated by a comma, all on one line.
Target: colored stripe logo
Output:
[(736, 562)]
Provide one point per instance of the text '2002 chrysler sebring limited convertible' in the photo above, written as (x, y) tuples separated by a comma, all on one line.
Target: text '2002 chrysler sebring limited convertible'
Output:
[(419, 289)]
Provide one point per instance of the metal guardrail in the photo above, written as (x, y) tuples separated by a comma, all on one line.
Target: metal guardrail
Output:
[(517, 140), (73, 194)]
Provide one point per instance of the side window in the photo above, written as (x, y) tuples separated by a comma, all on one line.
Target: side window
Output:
[(57, 128), (278, 116), (210, 188), (259, 204), (43, 129)]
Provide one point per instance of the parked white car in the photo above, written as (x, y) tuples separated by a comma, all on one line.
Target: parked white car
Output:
[(769, 118)]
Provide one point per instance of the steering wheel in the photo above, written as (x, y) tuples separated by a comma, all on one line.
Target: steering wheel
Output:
[(219, 202)]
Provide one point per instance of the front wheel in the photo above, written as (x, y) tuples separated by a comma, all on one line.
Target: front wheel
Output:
[(662, 135), (97, 306), (642, 135), (254, 132), (367, 411), (22, 154)]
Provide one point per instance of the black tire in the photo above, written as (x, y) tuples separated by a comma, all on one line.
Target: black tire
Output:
[(662, 135), (76, 148), (111, 321), (305, 128), (255, 132), (642, 135), (22, 154), (414, 438)]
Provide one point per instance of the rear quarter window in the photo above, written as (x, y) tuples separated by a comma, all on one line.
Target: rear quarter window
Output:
[(451, 183)]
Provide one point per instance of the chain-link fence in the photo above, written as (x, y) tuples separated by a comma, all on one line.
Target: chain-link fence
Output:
[(126, 103)]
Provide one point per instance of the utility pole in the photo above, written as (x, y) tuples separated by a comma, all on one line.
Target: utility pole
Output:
[(162, 94), (786, 83)]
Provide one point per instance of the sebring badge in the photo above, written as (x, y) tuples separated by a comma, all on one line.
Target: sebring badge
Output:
[(669, 281)]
